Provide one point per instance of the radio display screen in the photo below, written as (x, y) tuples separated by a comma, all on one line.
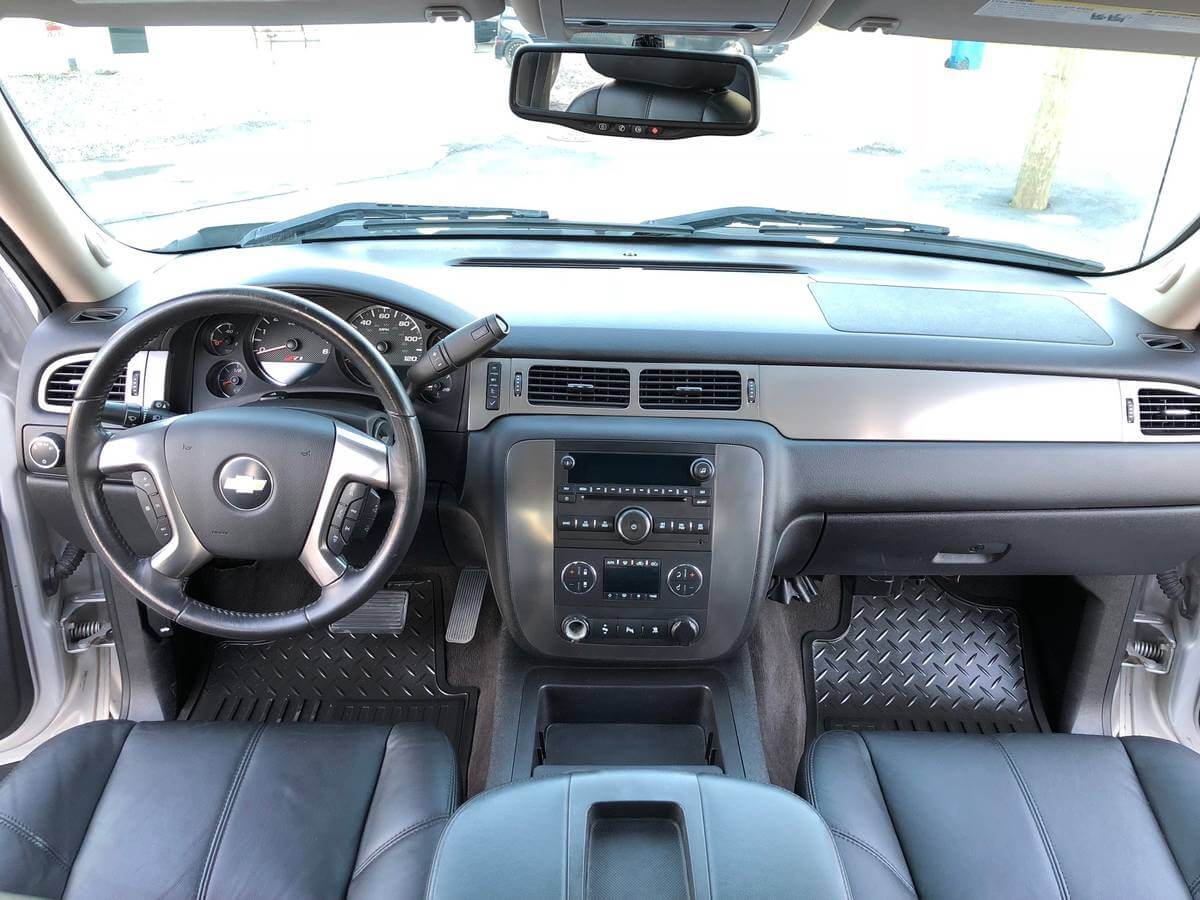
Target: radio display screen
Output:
[(631, 468), (631, 576)]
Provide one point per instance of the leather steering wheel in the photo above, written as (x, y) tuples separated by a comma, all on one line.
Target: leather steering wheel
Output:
[(245, 482)]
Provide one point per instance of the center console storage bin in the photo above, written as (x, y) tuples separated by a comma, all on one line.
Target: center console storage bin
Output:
[(584, 720)]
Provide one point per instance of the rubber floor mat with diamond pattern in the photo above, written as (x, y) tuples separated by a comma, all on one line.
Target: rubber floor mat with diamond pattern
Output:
[(922, 659), (323, 677)]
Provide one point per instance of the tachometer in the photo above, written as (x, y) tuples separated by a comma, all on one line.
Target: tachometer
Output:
[(285, 352)]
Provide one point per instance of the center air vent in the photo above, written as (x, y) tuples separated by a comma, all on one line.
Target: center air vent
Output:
[(1168, 412), (60, 385), (578, 386), (690, 389)]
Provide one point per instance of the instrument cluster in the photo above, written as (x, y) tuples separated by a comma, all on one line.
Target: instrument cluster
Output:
[(250, 353)]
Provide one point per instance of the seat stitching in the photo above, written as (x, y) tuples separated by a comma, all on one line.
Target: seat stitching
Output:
[(34, 838), (395, 839), (1037, 819), (863, 845), (1154, 815), (223, 819)]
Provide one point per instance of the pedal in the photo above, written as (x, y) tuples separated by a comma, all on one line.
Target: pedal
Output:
[(384, 613), (468, 600)]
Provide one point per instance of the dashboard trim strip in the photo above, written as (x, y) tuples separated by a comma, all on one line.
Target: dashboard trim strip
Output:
[(847, 403)]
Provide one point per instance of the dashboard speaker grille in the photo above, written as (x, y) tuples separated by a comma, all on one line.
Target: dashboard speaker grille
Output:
[(64, 382), (1168, 412), (578, 386), (690, 389)]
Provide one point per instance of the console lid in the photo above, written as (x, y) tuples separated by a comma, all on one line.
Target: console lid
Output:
[(631, 833)]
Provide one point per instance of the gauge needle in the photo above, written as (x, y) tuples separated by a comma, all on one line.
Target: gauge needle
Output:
[(262, 350)]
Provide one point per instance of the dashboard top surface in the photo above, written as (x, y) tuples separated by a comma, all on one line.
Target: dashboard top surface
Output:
[(663, 301)]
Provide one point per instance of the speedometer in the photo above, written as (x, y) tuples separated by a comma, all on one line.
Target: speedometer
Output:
[(285, 352), (395, 334)]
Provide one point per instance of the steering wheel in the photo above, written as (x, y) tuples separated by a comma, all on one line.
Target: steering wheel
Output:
[(247, 482)]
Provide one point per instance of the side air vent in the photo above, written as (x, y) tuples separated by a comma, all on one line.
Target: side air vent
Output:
[(101, 314), (578, 386), (60, 385), (690, 389), (1166, 342), (1168, 412)]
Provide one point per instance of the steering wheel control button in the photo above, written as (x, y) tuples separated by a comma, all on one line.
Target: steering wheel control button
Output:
[(244, 483), (578, 577), (634, 525), (684, 580)]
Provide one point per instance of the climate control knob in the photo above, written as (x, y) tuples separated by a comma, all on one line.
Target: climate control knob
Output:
[(575, 628), (578, 577), (684, 580), (684, 630), (633, 524)]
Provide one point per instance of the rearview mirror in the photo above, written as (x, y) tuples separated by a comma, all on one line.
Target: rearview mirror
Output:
[(636, 92)]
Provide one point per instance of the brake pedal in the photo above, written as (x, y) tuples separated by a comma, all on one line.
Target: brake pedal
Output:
[(468, 600), (384, 613)]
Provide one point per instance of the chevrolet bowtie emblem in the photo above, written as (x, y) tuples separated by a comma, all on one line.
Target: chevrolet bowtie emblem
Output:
[(244, 484)]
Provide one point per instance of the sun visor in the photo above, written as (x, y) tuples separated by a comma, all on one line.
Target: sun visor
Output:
[(1169, 26), (759, 21), (246, 12)]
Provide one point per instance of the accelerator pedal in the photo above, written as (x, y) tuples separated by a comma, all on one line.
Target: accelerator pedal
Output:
[(468, 600)]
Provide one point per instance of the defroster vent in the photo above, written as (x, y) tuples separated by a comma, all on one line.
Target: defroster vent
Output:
[(1168, 412), (578, 386), (690, 389)]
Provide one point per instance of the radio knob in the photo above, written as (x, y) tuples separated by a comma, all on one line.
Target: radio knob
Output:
[(633, 525), (702, 469), (684, 630), (567, 462)]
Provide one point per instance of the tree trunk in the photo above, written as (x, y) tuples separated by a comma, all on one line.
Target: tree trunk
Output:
[(1045, 142)]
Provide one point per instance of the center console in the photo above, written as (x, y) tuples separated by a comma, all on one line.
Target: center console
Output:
[(633, 543), (632, 550)]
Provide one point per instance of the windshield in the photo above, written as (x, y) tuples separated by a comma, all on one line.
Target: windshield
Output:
[(164, 131)]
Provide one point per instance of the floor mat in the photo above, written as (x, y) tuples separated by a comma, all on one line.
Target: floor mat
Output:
[(918, 658), (323, 677)]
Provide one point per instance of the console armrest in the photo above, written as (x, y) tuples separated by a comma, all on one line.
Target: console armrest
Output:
[(637, 832)]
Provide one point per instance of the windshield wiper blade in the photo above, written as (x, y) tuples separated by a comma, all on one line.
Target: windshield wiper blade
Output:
[(764, 217), (294, 229)]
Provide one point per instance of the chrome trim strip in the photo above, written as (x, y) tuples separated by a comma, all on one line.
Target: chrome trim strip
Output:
[(848, 403)]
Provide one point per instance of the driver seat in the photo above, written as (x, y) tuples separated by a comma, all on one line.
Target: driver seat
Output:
[(224, 809)]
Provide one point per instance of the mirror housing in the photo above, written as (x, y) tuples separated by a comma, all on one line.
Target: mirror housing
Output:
[(636, 92)]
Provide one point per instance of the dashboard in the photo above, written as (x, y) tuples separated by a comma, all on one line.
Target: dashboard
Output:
[(852, 413)]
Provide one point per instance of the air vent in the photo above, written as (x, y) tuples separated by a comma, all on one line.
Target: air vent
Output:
[(578, 386), (101, 314), (672, 265), (1168, 412), (62, 383), (690, 389), (1166, 342)]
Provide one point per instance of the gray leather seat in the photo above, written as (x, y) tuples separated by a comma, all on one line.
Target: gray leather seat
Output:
[(220, 809), (1021, 815)]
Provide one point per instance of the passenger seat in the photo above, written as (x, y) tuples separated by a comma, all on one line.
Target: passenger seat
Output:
[(1013, 815)]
